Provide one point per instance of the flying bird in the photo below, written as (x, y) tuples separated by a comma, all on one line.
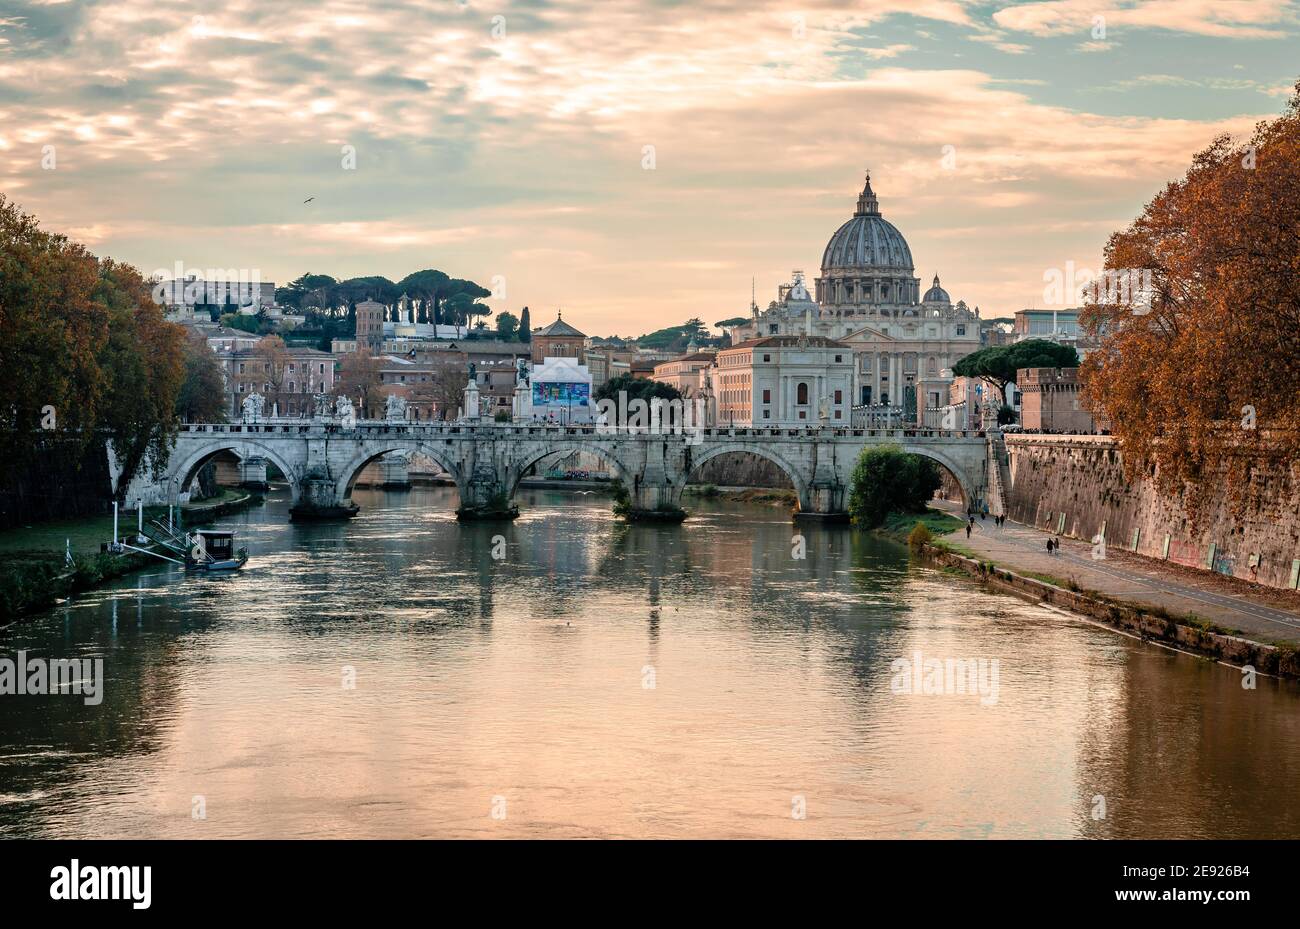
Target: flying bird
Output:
[(309, 200)]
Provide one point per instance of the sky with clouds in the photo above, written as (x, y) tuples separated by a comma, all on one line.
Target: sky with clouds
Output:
[(510, 139)]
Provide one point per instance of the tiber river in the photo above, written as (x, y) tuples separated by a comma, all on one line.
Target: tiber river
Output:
[(389, 677)]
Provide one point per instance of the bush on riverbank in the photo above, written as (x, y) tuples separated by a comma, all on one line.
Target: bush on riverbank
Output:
[(919, 537)]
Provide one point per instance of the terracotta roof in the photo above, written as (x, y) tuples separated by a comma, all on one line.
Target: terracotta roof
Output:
[(559, 328)]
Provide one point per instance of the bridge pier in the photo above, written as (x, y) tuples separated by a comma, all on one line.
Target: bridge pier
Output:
[(318, 499), (485, 496), (650, 502), (394, 473), (826, 503), (252, 473)]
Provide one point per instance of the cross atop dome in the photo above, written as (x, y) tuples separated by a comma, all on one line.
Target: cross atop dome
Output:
[(868, 205)]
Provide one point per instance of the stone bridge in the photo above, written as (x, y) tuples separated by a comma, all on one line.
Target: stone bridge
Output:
[(321, 460)]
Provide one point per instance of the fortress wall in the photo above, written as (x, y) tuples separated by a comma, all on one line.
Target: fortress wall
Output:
[(1075, 485)]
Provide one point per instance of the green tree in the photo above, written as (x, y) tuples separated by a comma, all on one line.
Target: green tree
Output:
[(729, 323), (507, 326), (525, 326), (638, 388), (241, 322), (998, 364), (888, 480), (430, 287)]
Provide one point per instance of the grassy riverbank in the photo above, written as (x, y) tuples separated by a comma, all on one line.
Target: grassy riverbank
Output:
[(34, 573), (900, 525), (770, 496)]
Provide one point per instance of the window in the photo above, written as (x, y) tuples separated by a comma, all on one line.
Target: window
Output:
[(767, 396), (803, 414), (839, 414), (839, 397), (767, 414), (241, 367), (772, 328), (802, 394), (961, 330), (767, 357)]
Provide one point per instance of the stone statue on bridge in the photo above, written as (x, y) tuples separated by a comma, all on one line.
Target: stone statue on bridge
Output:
[(254, 407), (395, 408), (345, 412), (322, 408)]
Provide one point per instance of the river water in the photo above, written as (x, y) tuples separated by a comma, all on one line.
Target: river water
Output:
[(403, 675)]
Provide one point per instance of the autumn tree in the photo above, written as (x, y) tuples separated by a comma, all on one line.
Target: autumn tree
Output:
[(444, 391), (360, 380), (86, 353), (201, 398), (1199, 372), (51, 332), (142, 370), (273, 357)]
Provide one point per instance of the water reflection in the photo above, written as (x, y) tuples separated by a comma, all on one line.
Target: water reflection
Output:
[(617, 680)]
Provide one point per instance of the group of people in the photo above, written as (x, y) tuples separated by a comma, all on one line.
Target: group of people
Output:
[(998, 521), (1053, 546)]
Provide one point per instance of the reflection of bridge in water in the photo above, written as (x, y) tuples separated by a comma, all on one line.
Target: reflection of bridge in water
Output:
[(321, 460)]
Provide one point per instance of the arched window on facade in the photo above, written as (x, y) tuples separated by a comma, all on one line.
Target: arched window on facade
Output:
[(803, 394)]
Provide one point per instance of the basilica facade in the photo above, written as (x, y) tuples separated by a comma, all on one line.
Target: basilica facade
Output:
[(869, 298)]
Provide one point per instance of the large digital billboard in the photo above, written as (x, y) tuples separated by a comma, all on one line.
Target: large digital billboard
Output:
[(561, 393)]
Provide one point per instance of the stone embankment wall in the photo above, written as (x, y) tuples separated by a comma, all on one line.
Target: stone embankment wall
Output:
[(1075, 486)]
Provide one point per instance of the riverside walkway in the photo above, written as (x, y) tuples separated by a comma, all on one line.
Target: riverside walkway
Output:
[(1258, 613)]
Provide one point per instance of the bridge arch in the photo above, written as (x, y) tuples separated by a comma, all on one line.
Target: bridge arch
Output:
[(182, 472), (372, 451), (696, 460), (520, 465), (960, 473)]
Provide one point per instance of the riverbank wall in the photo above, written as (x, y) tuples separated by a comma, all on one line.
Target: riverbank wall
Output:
[(1075, 486), (1182, 633)]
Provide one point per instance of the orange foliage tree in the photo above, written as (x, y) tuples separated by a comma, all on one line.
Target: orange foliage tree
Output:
[(85, 352), (1200, 376)]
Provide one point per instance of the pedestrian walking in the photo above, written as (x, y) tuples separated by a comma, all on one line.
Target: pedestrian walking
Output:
[(1049, 546), (968, 528)]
